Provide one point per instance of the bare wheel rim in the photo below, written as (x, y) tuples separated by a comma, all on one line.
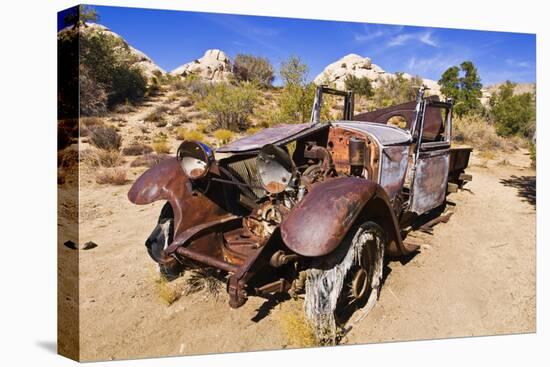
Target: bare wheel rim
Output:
[(357, 286)]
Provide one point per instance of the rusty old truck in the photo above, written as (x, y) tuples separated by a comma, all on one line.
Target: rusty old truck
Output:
[(309, 210)]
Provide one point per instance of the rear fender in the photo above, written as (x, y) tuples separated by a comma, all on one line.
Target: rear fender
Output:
[(320, 221)]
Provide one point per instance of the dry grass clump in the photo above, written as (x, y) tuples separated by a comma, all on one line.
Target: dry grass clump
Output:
[(160, 144), (137, 149), (477, 131), (148, 160), (186, 102), (298, 330), (111, 176), (156, 114), (224, 136), (67, 158), (187, 134), (168, 293), (180, 119), (102, 158), (105, 137), (206, 279), (88, 122)]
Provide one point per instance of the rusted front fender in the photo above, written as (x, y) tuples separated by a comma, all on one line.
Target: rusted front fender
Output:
[(166, 181), (319, 223)]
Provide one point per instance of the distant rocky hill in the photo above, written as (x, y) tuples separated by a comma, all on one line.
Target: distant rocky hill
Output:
[(361, 67), (143, 61), (214, 66)]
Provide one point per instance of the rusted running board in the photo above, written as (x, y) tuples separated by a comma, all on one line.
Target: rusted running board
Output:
[(427, 227)]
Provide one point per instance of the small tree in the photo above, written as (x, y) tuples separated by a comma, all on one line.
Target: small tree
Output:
[(80, 15), (395, 90), (360, 86), (293, 72), (463, 85), (512, 114), (253, 69), (230, 105)]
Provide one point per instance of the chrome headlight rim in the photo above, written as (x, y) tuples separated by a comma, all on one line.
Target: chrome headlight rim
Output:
[(275, 168), (195, 159)]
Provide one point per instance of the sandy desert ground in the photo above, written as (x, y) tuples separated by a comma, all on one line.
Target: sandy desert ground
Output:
[(475, 275)]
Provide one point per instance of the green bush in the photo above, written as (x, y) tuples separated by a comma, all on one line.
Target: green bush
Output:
[(253, 69), (513, 114), (105, 137), (107, 67), (395, 90), (230, 105), (360, 86), (463, 85)]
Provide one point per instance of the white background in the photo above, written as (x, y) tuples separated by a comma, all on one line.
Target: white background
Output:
[(28, 180)]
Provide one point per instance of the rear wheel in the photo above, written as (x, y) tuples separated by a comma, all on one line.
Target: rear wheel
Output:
[(347, 280)]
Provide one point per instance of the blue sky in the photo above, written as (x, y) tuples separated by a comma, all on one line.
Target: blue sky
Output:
[(172, 38)]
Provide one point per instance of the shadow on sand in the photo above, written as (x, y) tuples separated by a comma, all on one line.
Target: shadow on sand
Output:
[(526, 186)]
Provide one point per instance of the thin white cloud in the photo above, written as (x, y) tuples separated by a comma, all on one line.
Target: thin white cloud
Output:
[(364, 37), (434, 65), (517, 63), (422, 37)]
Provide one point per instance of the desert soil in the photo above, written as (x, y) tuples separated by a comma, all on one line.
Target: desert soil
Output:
[(474, 275)]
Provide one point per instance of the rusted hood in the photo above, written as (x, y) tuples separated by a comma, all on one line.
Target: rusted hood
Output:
[(319, 222), (386, 134), (270, 135)]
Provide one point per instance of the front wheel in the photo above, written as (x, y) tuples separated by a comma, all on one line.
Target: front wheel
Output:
[(346, 280), (159, 239)]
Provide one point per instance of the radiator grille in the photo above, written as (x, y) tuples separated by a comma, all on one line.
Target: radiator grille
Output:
[(247, 171)]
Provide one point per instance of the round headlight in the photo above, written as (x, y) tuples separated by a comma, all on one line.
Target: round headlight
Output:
[(275, 168), (195, 158)]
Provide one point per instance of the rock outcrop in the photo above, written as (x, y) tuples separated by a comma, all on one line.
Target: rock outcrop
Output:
[(214, 66), (362, 67), (142, 60)]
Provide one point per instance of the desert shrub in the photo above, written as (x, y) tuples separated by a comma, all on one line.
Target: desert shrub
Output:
[(157, 114), (186, 102), (360, 86), (102, 158), (395, 89), (148, 160), (160, 144), (513, 114), (111, 65), (477, 131), (224, 136), (109, 158), (249, 68), (207, 279), (187, 134), (180, 119), (125, 107), (111, 176), (230, 105), (137, 149), (196, 86), (105, 137), (67, 158), (161, 123), (93, 95)]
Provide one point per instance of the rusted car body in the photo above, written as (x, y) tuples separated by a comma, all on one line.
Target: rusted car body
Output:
[(267, 209)]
